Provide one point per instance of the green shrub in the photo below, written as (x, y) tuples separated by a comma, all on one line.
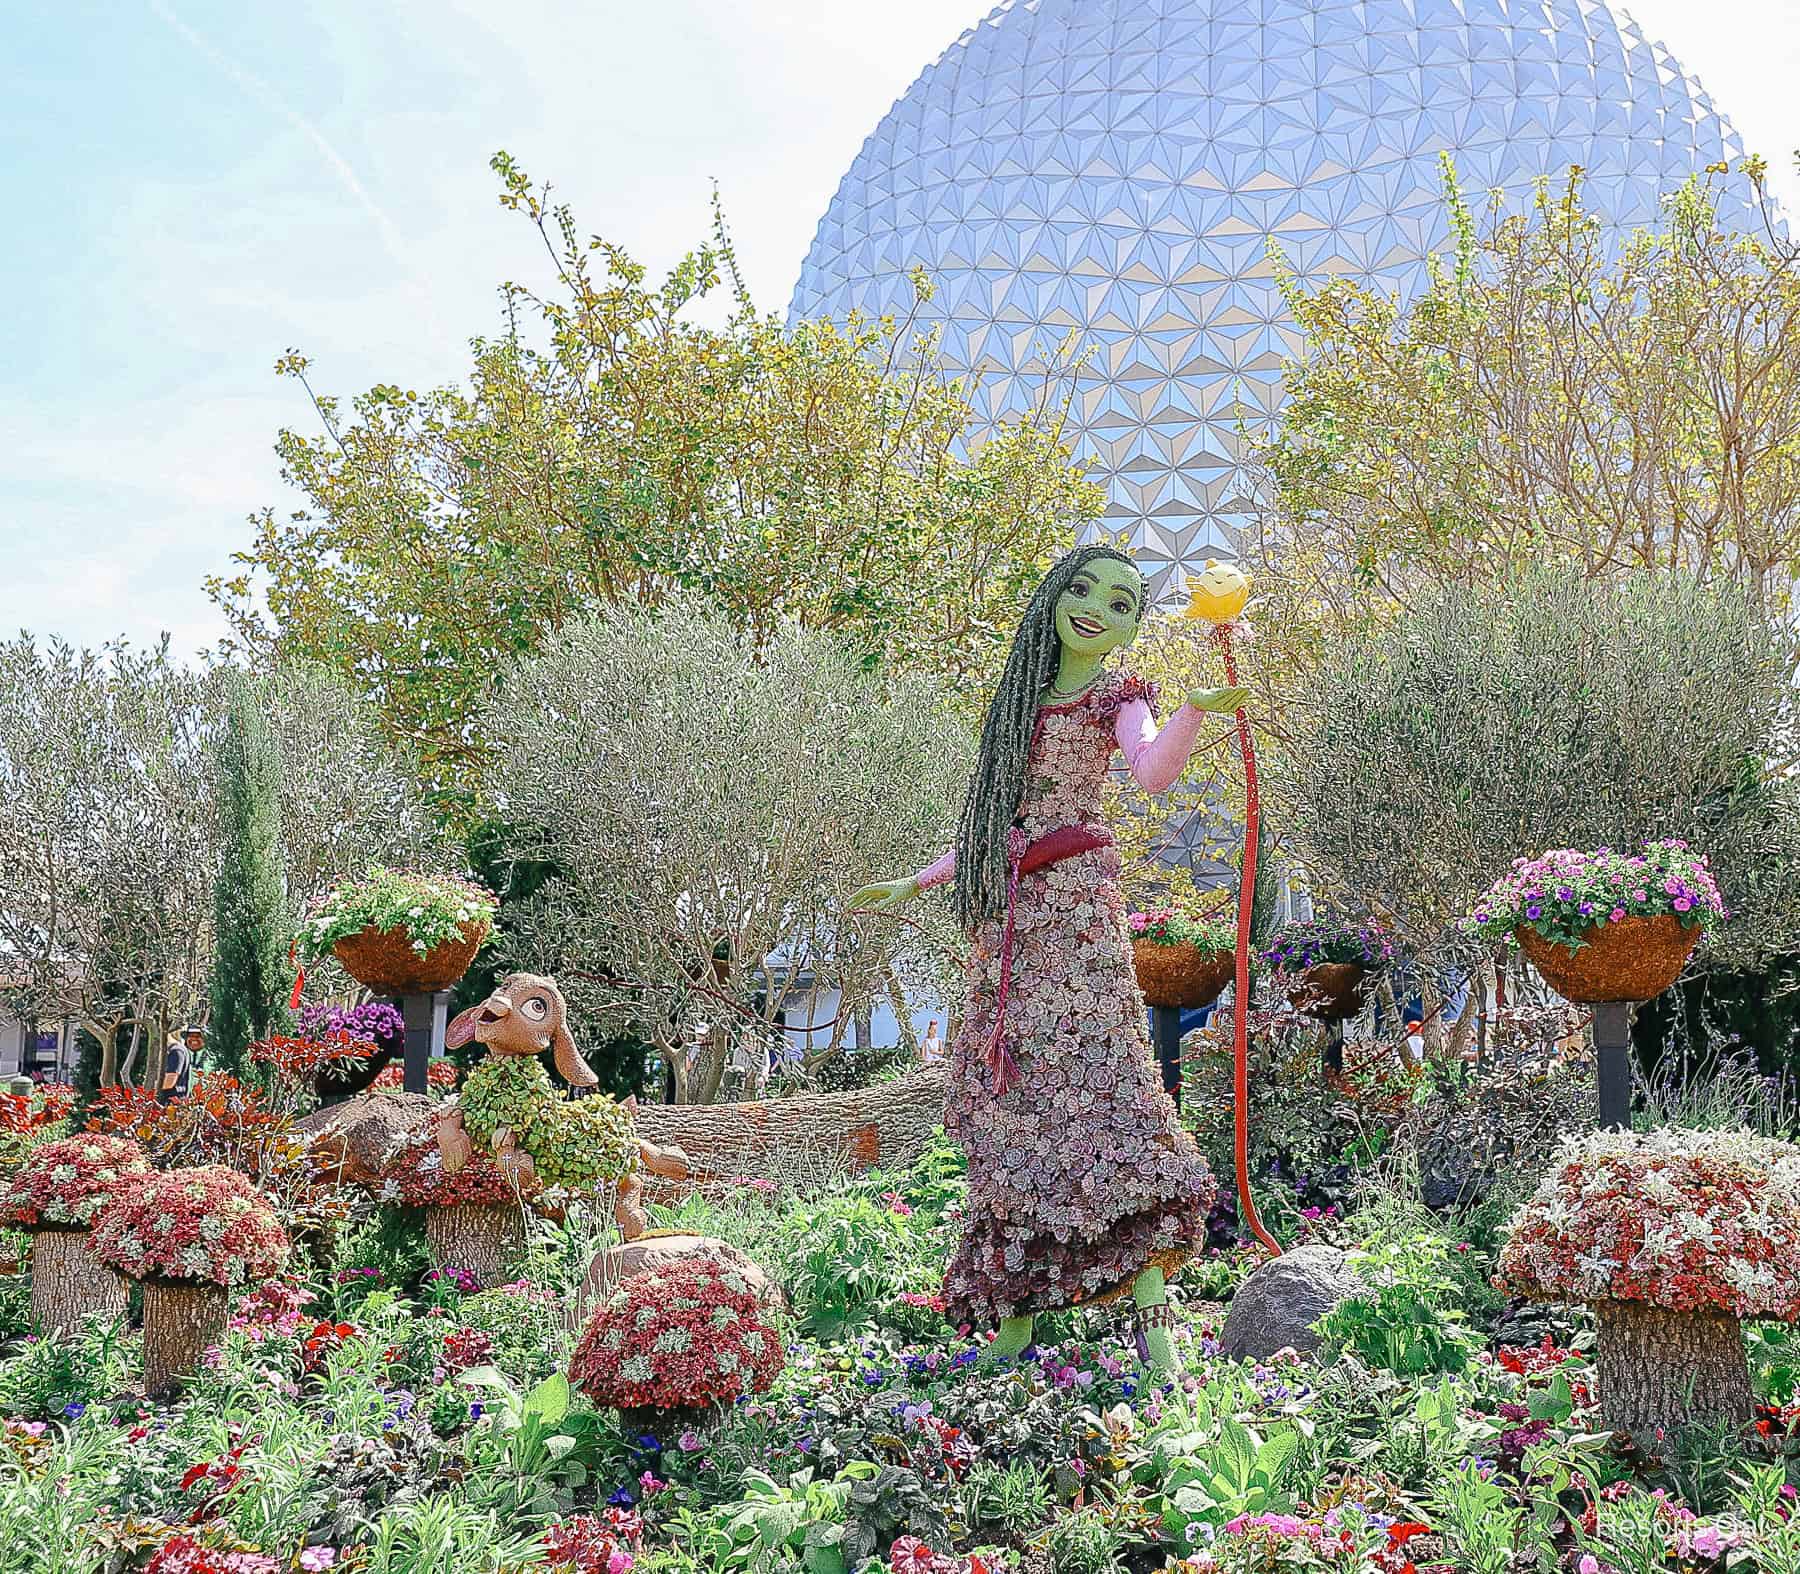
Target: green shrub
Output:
[(1403, 1323)]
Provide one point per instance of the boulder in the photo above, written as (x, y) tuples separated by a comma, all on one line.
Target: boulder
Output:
[(354, 1142), (1275, 1308), (618, 1263)]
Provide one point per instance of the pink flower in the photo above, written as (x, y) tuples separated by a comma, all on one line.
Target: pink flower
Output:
[(314, 1559), (1589, 1564), (650, 1484)]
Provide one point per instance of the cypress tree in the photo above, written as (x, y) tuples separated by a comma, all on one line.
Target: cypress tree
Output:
[(251, 928)]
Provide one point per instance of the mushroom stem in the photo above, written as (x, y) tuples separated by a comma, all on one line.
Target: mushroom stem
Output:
[(1661, 1370)]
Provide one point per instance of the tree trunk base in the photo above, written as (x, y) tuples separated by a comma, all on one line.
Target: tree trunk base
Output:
[(480, 1240), (68, 1283), (180, 1322), (1660, 1370)]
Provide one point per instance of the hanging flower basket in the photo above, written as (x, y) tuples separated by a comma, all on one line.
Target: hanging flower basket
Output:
[(1330, 992), (1604, 926), (1183, 976), (399, 933), (1182, 962), (385, 961), (1632, 960), (1326, 964)]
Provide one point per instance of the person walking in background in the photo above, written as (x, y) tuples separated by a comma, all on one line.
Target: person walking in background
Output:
[(178, 1063)]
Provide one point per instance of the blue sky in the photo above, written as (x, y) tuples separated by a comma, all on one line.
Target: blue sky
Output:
[(191, 187)]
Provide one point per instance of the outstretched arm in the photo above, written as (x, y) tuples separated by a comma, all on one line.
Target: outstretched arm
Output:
[(891, 894), (1156, 756)]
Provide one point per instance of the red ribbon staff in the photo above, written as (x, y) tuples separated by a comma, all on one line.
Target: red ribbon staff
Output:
[(1217, 597)]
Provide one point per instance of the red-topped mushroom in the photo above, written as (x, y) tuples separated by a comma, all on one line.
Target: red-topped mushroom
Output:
[(1674, 1238)]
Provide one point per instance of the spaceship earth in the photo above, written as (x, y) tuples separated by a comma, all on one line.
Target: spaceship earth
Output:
[(1116, 169)]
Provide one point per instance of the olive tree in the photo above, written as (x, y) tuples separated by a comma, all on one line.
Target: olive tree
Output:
[(710, 805), (350, 796), (1546, 709), (107, 839)]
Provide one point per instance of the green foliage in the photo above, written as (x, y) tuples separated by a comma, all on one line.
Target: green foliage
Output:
[(850, 1252), (884, 1503), (1425, 759), (1214, 1470), (525, 1325), (811, 471), (572, 1143), (44, 1378), (1774, 1353), (1403, 1323), (1086, 1542), (775, 1525), (1014, 1498), (250, 919), (441, 1531)]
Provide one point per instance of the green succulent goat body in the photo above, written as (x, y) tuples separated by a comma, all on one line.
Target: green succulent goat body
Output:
[(576, 1144)]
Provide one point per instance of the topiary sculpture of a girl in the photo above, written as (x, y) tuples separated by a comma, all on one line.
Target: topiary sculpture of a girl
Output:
[(1083, 1185)]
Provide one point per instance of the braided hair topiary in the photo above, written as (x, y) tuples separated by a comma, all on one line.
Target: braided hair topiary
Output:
[(997, 785)]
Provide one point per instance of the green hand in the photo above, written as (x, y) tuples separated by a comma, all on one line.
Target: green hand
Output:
[(885, 897), (1218, 699)]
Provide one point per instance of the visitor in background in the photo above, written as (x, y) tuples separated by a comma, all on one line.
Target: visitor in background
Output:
[(931, 1051), (178, 1063)]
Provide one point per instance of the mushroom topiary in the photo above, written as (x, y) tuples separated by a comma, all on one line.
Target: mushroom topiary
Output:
[(188, 1236), (474, 1215), (54, 1196), (1673, 1238), (687, 1336)]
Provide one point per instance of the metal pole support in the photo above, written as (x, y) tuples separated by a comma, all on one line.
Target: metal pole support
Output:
[(1165, 1028), (426, 1017), (1612, 1055)]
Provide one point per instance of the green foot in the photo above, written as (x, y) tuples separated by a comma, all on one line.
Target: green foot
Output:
[(1010, 1343), (1150, 1292)]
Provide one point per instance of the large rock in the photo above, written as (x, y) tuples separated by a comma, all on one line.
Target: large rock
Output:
[(649, 1252), (1275, 1308), (354, 1142)]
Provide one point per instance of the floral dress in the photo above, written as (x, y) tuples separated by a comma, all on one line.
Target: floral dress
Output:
[(1080, 1174)]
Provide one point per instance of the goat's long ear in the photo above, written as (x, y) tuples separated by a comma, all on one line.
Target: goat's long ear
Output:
[(574, 1070), (462, 1029)]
